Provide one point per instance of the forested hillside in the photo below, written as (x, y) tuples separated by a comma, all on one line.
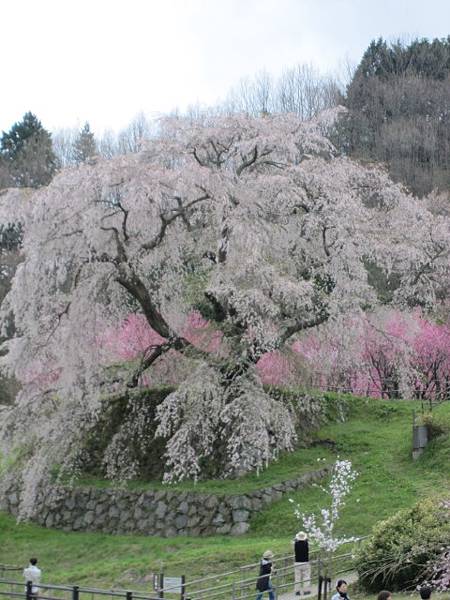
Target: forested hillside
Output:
[(399, 112)]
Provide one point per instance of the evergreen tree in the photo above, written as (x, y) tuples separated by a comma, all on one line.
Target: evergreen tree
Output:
[(26, 153), (85, 145), (398, 112)]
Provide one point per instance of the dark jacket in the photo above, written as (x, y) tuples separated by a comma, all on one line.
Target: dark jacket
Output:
[(301, 548), (339, 596), (265, 569)]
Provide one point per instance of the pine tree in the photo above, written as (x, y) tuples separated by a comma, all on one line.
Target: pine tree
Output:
[(85, 145), (398, 112), (26, 153)]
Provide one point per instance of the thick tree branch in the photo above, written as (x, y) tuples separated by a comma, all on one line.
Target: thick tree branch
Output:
[(248, 162), (169, 217), (136, 288), (300, 325), (121, 254), (125, 212), (151, 355), (197, 158)]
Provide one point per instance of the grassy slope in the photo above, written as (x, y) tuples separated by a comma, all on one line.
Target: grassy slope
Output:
[(377, 439)]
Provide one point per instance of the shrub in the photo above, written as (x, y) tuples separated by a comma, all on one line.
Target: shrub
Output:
[(436, 424), (398, 554)]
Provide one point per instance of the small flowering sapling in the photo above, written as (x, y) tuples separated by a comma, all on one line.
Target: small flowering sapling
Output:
[(323, 532)]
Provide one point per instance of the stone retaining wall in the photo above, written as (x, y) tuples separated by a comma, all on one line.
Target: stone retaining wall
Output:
[(160, 512)]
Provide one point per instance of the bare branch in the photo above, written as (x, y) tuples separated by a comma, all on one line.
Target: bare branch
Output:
[(121, 254), (300, 325), (248, 162), (167, 220), (195, 155)]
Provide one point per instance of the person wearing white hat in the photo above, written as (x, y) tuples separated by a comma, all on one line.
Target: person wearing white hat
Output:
[(264, 582), (302, 568)]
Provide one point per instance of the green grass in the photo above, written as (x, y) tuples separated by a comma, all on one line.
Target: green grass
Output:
[(104, 560), (378, 441)]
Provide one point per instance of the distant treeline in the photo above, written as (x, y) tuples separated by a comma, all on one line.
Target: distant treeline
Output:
[(398, 101), (399, 112)]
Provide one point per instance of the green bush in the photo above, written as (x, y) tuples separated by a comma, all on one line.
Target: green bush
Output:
[(396, 556), (437, 425)]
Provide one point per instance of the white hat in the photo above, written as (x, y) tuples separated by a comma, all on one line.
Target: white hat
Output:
[(268, 554), (301, 535)]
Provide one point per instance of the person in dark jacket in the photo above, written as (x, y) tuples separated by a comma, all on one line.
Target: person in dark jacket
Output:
[(341, 590), (264, 583), (425, 592), (302, 568)]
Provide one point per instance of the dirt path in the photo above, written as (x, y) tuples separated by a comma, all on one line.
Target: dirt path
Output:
[(287, 593)]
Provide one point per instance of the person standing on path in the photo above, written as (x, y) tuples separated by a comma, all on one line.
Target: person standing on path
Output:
[(264, 583), (33, 573), (302, 568)]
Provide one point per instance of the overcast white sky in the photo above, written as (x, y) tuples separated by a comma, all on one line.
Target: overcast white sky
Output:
[(103, 61)]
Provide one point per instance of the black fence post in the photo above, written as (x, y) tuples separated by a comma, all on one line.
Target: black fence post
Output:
[(161, 585), (129, 595), (29, 591), (75, 592), (327, 587), (319, 578), (183, 587)]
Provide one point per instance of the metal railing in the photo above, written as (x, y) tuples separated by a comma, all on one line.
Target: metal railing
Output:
[(18, 589), (236, 584), (283, 580)]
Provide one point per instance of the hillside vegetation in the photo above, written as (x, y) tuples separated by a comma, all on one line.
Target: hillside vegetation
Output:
[(398, 111), (377, 439)]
